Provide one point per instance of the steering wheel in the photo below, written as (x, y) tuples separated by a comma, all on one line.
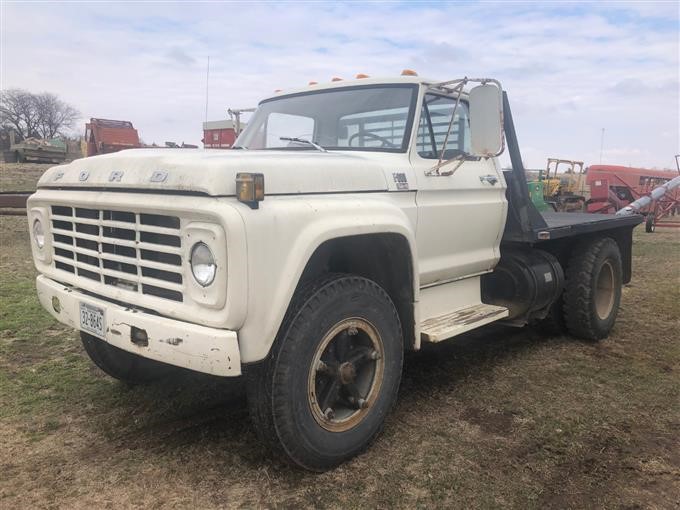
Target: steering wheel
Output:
[(372, 136)]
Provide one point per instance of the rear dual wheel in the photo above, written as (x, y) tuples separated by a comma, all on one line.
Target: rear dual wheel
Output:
[(589, 304), (592, 293), (324, 392)]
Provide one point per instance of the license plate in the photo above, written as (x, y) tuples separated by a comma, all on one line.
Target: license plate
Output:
[(92, 320)]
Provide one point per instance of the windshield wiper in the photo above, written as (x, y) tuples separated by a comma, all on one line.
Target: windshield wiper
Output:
[(303, 140), (239, 147)]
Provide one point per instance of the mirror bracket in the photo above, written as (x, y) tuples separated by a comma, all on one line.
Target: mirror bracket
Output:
[(456, 87)]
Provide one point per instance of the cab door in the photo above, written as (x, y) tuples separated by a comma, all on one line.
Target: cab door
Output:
[(460, 216)]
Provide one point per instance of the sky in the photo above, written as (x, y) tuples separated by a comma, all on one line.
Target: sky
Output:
[(570, 69)]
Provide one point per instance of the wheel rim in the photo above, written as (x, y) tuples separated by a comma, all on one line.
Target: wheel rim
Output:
[(605, 291), (346, 374)]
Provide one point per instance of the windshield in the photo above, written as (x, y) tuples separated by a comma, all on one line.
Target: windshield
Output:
[(366, 118)]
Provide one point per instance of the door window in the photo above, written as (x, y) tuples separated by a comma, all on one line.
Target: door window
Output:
[(435, 117)]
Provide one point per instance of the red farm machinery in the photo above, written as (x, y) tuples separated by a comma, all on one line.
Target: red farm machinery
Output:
[(105, 135), (652, 193)]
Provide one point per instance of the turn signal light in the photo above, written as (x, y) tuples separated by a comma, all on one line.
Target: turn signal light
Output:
[(409, 72), (361, 75), (250, 189)]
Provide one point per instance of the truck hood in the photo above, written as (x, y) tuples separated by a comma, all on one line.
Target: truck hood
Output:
[(213, 172)]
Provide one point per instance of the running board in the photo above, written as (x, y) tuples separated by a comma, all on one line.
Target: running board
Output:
[(451, 324)]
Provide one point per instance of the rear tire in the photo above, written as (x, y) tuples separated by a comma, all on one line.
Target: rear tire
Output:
[(332, 376), (592, 293), (650, 224), (122, 365)]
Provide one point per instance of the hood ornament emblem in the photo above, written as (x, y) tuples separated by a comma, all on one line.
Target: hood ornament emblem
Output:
[(83, 176), (159, 176)]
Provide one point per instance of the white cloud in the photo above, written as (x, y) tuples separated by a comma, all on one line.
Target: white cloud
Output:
[(570, 69)]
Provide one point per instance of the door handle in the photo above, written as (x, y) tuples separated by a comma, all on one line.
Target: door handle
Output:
[(491, 179)]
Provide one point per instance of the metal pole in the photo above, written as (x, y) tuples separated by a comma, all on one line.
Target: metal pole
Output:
[(601, 145), (207, 81), (656, 194)]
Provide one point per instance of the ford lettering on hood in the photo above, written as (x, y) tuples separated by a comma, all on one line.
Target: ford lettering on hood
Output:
[(214, 172)]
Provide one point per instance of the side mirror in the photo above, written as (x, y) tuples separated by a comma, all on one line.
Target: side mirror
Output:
[(486, 120)]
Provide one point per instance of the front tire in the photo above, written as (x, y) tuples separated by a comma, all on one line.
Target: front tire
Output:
[(323, 393), (122, 365), (592, 293)]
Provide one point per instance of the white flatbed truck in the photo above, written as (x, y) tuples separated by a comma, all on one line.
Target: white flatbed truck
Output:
[(353, 221)]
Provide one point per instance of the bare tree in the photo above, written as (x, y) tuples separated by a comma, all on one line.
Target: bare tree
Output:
[(36, 115), (18, 110), (54, 115)]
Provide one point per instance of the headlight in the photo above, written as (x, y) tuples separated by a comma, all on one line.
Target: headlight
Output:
[(38, 234), (203, 265)]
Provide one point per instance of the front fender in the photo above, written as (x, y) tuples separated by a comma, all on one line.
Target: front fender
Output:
[(283, 234)]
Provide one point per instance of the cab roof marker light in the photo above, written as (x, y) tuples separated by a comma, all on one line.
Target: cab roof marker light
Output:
[(409, 72), (313, 83), (336, 78), (361, 76)]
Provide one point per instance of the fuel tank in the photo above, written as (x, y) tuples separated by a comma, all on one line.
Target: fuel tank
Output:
[(526, 281)]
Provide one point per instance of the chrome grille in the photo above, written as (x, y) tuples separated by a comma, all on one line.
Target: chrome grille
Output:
[(135, 251)]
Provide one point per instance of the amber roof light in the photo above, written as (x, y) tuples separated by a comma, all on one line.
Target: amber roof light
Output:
[(409, 72)]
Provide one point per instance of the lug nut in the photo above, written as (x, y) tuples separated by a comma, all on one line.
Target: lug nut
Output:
[(362, 403), (375, 355), (352, 331), (329, 414)]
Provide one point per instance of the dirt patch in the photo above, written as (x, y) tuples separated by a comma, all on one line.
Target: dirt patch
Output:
[(491, 422)]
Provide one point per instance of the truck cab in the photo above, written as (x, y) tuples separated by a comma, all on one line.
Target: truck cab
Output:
[(352, 221)]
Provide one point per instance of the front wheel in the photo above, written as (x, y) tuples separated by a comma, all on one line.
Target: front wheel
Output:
[(323, 393), (592, 292)]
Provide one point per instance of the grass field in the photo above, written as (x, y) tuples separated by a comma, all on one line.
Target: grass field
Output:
[(498, 418), (20, 176)]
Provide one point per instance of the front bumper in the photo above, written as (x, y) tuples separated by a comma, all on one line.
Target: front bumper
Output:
[(208, 350)]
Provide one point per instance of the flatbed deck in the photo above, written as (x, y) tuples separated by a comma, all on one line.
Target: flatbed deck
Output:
[(566, 224), (525, 224)]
